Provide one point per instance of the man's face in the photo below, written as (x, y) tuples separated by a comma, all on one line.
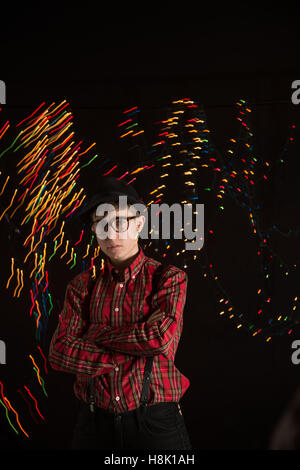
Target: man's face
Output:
[(118, 245)]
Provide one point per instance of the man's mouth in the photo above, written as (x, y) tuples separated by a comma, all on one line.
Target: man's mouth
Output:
[(114, 246)]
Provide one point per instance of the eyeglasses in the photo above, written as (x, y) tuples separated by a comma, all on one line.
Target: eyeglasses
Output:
[(118, 224)]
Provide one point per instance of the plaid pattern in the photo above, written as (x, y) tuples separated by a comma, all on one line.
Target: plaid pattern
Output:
[(107, 334)]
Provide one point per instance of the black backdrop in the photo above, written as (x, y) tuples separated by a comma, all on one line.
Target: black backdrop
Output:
[(106, 60)]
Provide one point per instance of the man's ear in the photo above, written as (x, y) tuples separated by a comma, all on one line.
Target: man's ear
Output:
[(140, 222)]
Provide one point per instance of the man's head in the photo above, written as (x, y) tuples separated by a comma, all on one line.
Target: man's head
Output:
[(112, 210), (117, 228)]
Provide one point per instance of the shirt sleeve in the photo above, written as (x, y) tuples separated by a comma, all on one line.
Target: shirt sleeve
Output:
[(160, 333), (68, 351)]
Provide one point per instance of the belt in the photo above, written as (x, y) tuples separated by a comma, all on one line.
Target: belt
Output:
[(130, 412)]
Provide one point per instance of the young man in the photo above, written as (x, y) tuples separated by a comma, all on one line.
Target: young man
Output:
[(120, 337)]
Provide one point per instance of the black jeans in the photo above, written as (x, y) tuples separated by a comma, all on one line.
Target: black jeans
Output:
[(159, 426)]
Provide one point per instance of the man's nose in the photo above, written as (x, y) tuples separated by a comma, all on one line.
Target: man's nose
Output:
[(112, 234)]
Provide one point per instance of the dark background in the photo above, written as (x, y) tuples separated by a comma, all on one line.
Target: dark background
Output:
[(104, 59)]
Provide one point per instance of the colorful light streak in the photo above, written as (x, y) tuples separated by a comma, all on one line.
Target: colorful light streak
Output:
[(46, 197)]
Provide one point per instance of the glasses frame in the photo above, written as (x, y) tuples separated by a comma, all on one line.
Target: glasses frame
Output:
[(109, 224)]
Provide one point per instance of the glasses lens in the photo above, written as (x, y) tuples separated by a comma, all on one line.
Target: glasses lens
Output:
[(119, 224), (100, 229)]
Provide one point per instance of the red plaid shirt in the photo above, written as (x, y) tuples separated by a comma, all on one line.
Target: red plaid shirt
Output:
[(108, 334)]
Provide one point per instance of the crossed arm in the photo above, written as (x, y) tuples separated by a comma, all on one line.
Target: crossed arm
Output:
[(73, 349), (155, 335), (69, 351)]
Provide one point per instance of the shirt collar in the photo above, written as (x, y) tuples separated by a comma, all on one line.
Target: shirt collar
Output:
[(130, 271)]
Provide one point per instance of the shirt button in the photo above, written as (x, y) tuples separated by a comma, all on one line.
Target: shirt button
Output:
[(117, 398), (116, 309), (121, 285), (133, 277), (117, 368)]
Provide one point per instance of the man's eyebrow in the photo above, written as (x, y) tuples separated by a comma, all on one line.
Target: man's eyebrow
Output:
[(100, 217)]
